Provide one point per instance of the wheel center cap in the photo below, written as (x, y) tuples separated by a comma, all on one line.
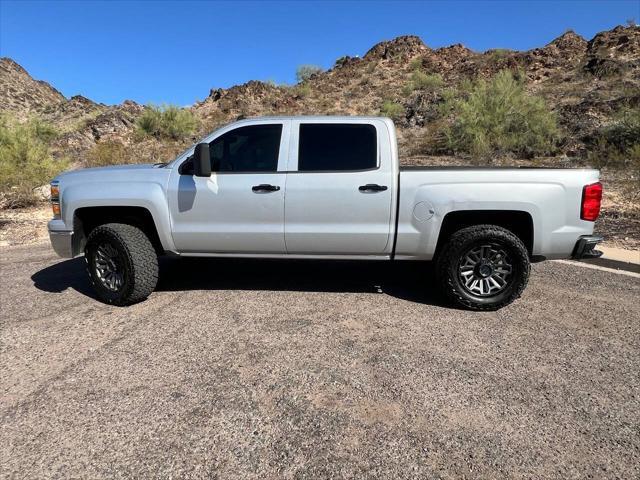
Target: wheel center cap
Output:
[(485, 270)]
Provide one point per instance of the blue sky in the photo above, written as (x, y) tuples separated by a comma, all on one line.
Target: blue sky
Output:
[(174, 52)]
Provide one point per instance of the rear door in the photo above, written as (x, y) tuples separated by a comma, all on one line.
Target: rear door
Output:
[(339, 188)]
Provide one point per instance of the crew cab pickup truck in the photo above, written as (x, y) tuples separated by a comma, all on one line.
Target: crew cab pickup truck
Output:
[(322, 188)]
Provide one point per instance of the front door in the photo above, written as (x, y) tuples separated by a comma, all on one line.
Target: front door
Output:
[(240, 208)]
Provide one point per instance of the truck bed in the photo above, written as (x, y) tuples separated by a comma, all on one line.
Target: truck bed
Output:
[(549, 196)]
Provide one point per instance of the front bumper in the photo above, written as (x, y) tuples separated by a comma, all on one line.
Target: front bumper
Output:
[(62, 243), (585, 247)]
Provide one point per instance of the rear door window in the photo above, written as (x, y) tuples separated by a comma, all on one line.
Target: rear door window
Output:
[(337, 147)]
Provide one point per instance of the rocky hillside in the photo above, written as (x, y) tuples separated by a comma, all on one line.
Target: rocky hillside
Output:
[(584, 82), (22, 95)]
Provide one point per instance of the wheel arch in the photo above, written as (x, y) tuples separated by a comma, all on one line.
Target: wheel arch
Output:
[(85, 219), (519, 222)]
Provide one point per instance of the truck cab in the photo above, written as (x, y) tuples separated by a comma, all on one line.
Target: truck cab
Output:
[(280, 187)]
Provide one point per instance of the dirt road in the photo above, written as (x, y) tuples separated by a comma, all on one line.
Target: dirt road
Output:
[(311, 370)]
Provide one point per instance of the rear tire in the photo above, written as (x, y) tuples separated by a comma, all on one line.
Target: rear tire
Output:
[(483, 267), (122, 263)]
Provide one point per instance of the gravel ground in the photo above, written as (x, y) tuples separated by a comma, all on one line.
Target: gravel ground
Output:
[(251, 369)]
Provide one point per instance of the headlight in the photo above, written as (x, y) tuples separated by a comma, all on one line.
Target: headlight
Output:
[(55, 199)]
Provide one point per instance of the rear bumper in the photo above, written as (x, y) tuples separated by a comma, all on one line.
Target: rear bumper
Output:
[(62, 243), (585, 247)]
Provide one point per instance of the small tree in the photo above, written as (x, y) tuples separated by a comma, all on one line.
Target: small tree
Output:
[(305, 72), (167, 121), (25, 161), (498, 116)]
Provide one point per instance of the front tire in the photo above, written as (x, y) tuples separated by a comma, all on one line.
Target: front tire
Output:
[(122, 263), (483, 267)]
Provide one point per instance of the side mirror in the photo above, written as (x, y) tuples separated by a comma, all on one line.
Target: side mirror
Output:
[(201, 161)]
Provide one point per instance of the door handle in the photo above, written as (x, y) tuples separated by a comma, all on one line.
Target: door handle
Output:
[(265, 187), (372, 187)]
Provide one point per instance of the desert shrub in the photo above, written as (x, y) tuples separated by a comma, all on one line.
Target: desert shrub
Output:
[(498, 54), (425, 81), (407, 90), (302, 90), (415, 64), (498, 116), (618, 144), (305, 72), (392, 110), (430, 140), (448, 101), (167, 121), (109, 152), (624, 133), (25, 161)]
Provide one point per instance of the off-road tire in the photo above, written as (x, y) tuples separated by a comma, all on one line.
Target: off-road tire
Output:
[(139, 262), (450, 256)]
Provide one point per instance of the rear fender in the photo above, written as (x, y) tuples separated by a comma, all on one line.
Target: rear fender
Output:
[(421, 220)]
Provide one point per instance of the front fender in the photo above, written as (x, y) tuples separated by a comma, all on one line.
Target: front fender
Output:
[(150, 196)]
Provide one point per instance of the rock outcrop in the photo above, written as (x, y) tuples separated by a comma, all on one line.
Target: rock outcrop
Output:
[(21, 95)]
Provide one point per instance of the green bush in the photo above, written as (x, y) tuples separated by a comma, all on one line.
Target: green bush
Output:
[(392, 110), (618, 144), (497, 117), (305, 72), (106, 153), (424, 81), (25, 161), (167, 121), (624, 133), (416, 64)]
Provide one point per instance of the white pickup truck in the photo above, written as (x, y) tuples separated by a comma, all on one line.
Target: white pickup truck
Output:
[(322, 188)]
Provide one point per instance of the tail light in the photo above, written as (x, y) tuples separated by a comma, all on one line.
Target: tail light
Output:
[(591, 200)]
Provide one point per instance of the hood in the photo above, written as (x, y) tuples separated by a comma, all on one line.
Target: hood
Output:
[(106, 170), (147, 172)]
